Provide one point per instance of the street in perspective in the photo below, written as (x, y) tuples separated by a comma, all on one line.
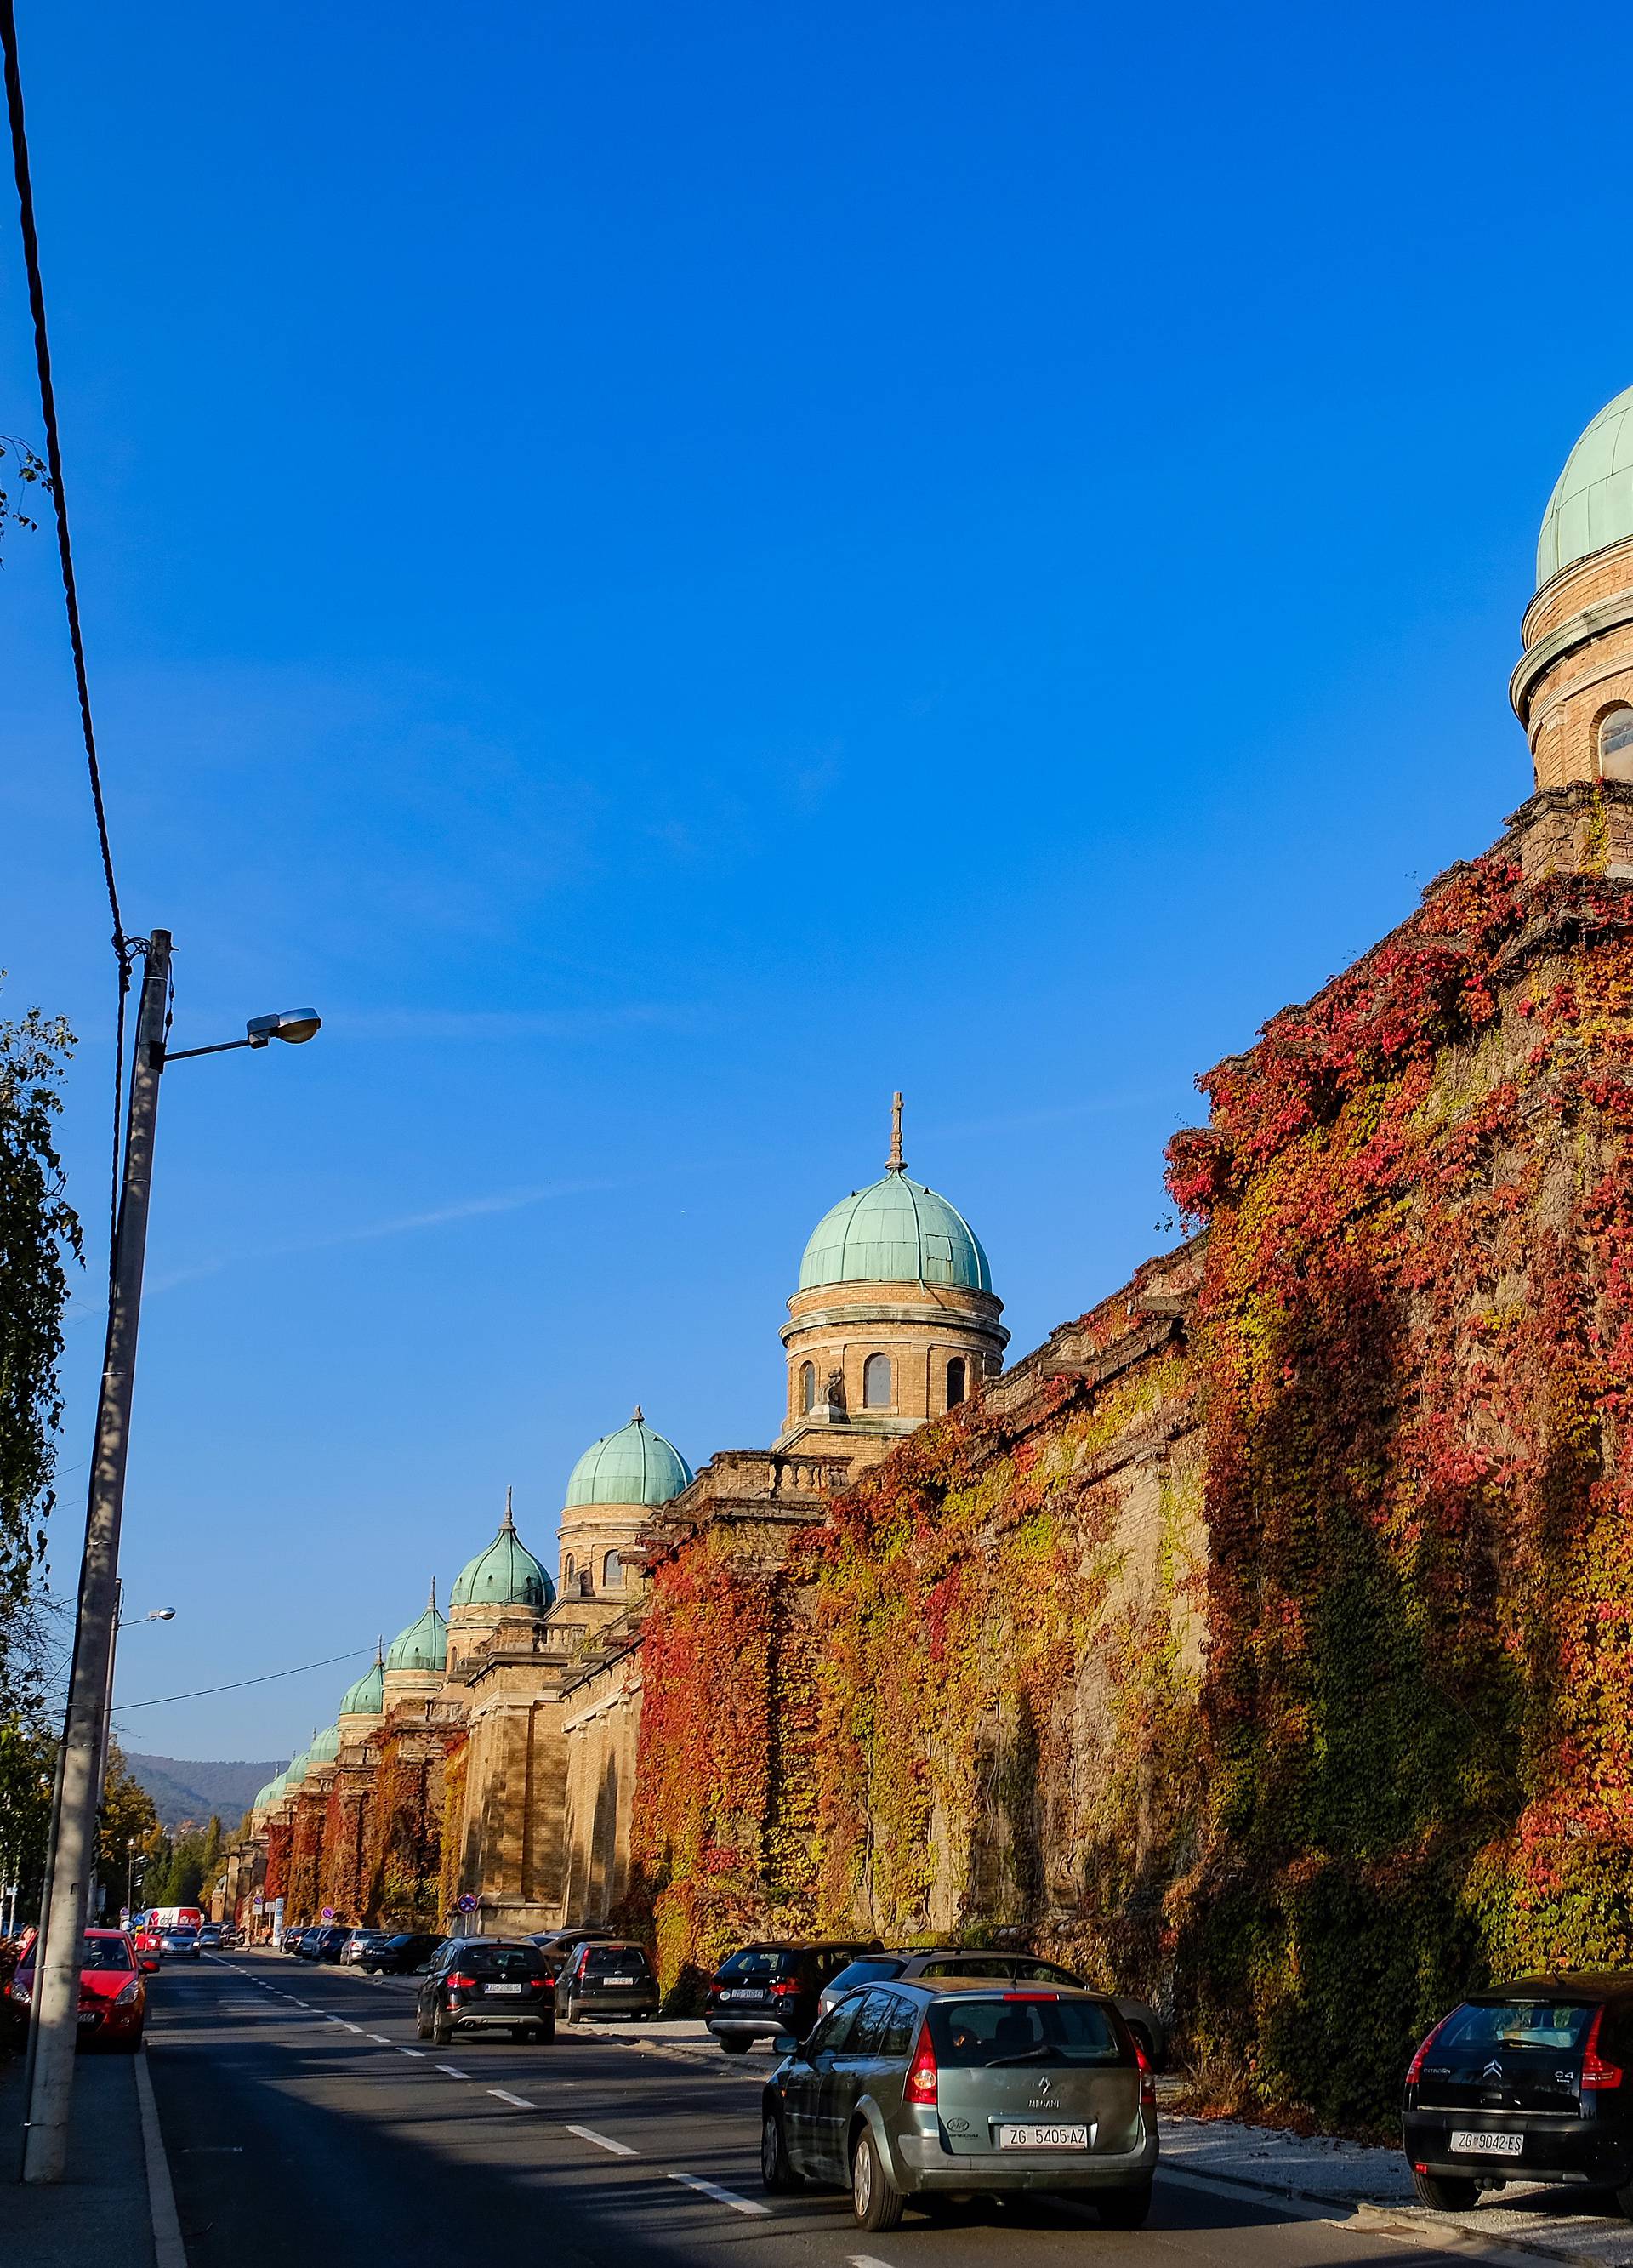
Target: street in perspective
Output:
[(816, 1137)]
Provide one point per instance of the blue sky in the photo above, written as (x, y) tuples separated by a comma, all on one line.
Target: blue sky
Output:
[(673, 571)]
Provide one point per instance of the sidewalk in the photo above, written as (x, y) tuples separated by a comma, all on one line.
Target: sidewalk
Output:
[(100, 2217)]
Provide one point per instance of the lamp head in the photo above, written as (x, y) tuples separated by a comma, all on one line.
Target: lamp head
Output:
[(295, 1025), (163, 1614)]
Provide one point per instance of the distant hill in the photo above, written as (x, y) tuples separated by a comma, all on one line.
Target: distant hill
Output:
[(184, 1790)]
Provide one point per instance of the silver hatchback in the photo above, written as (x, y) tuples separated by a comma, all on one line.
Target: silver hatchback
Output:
[(921, 2091)]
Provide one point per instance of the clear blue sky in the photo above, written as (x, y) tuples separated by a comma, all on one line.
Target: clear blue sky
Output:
[(675, 570)]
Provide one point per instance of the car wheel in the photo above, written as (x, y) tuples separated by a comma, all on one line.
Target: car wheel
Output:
[(442, 2030), (1125, 2208), (1447, 2193), (420, 2030), (777, 2176), (875, 2200), (730, 2045)]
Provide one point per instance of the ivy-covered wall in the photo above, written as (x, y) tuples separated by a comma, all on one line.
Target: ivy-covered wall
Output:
[(1275, 1658)]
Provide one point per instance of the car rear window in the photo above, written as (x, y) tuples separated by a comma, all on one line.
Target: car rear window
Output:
[(759, 1961), (1481, 2026), (979, 2035), (501, 1961), (864, 1971), (614, 1961)]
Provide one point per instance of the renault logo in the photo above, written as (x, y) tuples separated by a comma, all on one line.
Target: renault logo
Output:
[(1044, 2087)]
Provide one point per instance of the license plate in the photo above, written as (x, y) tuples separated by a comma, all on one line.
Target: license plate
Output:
[(1468, 2144), (1043, 2137), (748, 1993), (617, 1980), (88, 2016), (503, 1988)]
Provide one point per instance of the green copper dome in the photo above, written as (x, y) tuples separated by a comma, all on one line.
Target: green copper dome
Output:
[(264, 1796), (295, 1772), (367, 1697), (633, 1466), (1592, 504), (506, 1574), (897, 1231), (423, 1644), (324, 1748)]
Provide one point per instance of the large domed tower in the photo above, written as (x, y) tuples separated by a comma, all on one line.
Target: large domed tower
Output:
[(416, 1658), (895, 1319), (1573, 688), (610, 1492), (503, 1594)]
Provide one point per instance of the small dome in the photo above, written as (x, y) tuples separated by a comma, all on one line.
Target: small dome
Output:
[(895, 1231), (367, 1697), (633, 1466), (423, 1644), (324, 1748), (278, 1787), (506, 1574), (1592, 505), (295, 1771), (263, 1796)]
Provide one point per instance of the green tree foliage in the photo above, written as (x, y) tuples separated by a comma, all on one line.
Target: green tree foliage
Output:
[(127, 1816), (38, 1230), (28, 1763)]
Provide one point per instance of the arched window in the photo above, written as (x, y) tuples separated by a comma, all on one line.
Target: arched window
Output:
[(807, 1386), (876, 1393), (956, 1388), (567, 1572), (1615, 745), (612, 1573)]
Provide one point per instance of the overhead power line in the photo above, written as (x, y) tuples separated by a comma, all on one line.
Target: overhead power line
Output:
[(120, 1707), (65, 549)]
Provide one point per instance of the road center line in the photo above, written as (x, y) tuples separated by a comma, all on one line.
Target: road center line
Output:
[(412, 2051), (865, 2260), (516, 2102), (351, 2028), (721, 2197), (604, 2142), (453, 2071), (379, 2037)]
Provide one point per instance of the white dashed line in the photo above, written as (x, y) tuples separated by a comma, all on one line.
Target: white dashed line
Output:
[(721, 2197), (453, 2071), (865, 2260), (603, 2141), (303, 2003), (516, 2102), (334, 2019), (351, 2028), (412, 2051), (379, 2038)]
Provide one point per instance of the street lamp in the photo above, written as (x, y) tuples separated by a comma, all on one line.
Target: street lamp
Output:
[(52, 2036), (130, 1877)]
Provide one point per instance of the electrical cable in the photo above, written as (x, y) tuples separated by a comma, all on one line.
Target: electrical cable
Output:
[(353, 1655), (71, 588)]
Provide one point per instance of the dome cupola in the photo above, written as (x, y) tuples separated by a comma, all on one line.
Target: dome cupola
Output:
[(295, 1771), (423, 1646), (367, 1697), (894, 1318), (505, 1574), (1591, 506), (635, 1465), (614, 1485), (325, 1747)]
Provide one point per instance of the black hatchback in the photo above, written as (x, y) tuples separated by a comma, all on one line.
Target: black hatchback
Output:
[(767, 1989), (1529, 2082), (487, 1984)]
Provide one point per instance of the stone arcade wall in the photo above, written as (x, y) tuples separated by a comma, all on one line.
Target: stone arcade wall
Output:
[(1265, 1640)]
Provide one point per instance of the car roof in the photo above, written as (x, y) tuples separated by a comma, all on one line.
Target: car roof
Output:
[(1572, 1983), (971, 1988)]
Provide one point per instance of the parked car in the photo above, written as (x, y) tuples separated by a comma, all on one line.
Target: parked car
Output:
[(919, 2090), (324, 1944), (179, 1944), (210, 1934), (558, 1945), (400, 1954), (767, 1989), (358, 1942), (112, 1993), (1531, 2082), (958, 1960), (291, 1938), (603, 1979), (487, 1984)]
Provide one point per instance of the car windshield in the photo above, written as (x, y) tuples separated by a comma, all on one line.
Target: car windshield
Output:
[(501, 1960), (614, 1961), (980, 2034), (757, 1963), (1481, 2026), (106, 1952)]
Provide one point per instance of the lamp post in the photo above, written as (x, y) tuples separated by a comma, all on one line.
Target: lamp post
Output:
[(51, 2033), (153, 1615), (130, 1877)]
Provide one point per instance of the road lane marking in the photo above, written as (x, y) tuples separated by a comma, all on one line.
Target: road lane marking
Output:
[(721, 2197), (605, 2142), (378, 2037), (345, 2027), (865, 2260), (303, 2003), (412, 2051), (334, 2019), (453, 2071), (516, 2102)]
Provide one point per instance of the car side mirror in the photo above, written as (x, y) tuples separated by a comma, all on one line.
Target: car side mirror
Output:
[(786, 2044), (149, 1962)]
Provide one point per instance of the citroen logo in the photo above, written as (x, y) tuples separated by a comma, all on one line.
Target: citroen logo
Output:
[(1493, 2070)]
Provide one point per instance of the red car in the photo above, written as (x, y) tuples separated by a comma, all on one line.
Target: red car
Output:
[(113, 1991)]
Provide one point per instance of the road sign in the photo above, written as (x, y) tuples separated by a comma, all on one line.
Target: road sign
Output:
[(468, 1903), (328, 1914)]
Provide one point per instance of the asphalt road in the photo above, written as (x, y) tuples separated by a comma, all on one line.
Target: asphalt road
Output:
[(305, 2124)]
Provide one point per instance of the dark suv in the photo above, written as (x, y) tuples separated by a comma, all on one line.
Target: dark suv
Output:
[(487, 1984), (767, 1989), (599, 1979), (1532, 2082), (400, 1954)]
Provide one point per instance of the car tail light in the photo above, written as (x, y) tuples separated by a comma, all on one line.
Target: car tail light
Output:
[(1598, 2076), (787, 1985), (460, 1983), (1417, 2060), (1147, 2078), (923, 2076)]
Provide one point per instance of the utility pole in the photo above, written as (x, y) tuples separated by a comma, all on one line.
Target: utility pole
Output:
[(54, 2025)]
